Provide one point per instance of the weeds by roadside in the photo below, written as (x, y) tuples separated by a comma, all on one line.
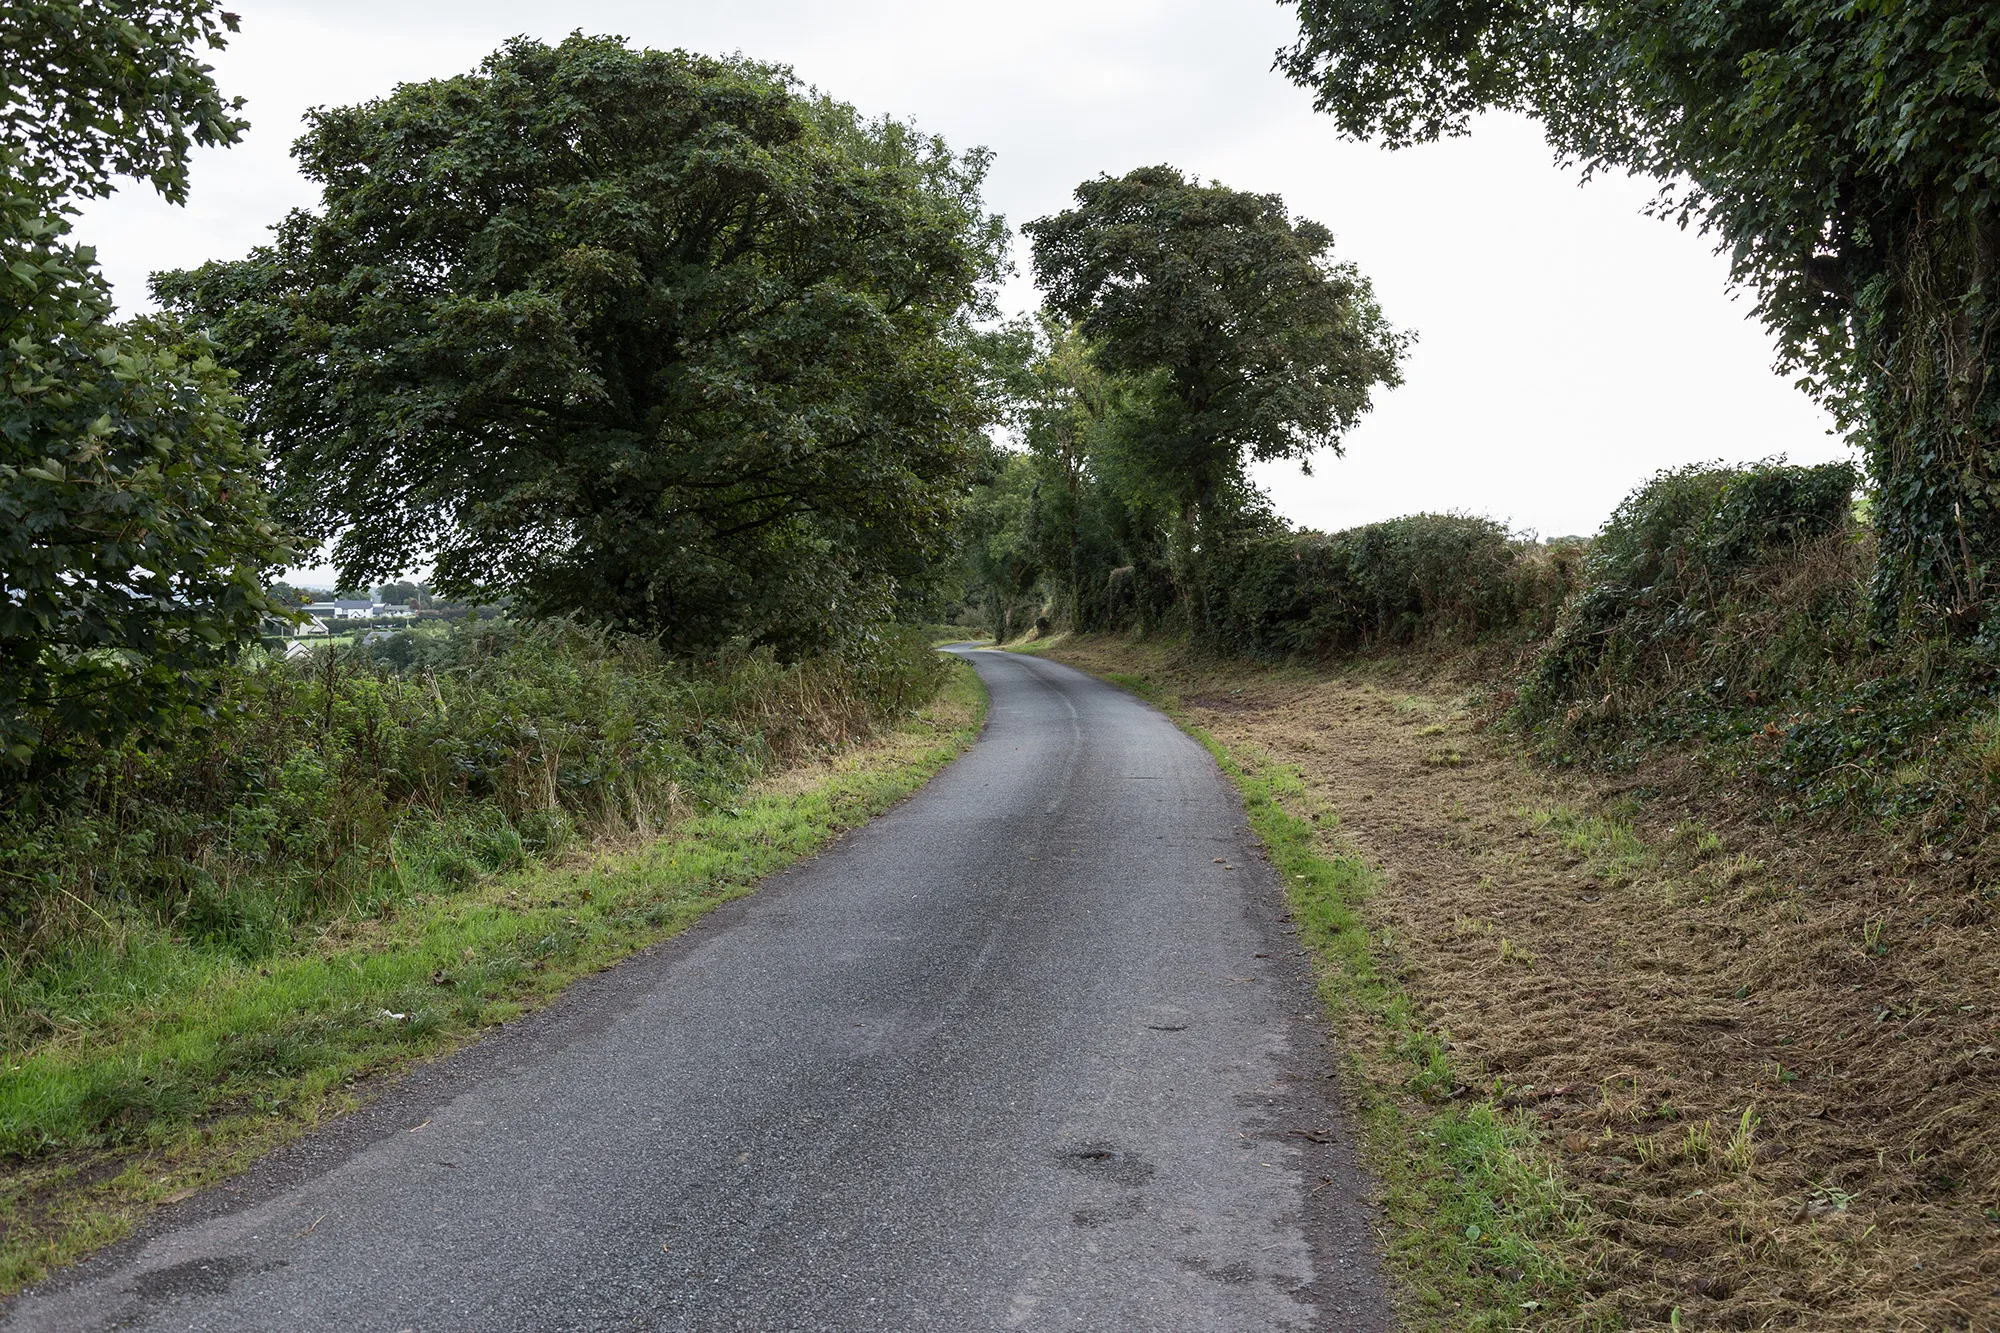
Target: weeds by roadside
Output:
[(334, 790)]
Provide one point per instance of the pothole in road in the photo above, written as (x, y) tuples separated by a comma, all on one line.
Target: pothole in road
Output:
[(1105, 1161), (196, 1277), (1230, 1273)]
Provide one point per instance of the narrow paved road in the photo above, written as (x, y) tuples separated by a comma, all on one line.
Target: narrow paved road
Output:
[(1034, 1050)]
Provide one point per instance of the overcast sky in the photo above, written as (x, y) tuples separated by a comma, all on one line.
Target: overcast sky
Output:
[(1569, 346)]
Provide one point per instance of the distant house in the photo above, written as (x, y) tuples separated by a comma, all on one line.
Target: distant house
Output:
[(394, 611), (342, 608), (297, 649), (307, 628)]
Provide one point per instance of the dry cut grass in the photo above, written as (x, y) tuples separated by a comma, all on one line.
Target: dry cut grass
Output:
[(1765, 1056)]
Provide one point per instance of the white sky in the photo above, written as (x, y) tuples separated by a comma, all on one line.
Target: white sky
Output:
[(1569, 346)]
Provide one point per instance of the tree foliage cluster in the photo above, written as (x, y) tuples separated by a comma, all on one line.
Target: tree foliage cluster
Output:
[(663, 343), (133, 535), (1190, 331), (1847, 158), (652, 338)]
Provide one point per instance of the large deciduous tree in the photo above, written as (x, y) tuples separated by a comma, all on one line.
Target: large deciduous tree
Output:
[(133, 536), (1848, 157), (656, 339), (1257, 344)]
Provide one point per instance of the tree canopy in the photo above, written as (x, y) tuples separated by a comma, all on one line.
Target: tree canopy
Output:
[(95, 89), (1848, 158), (133, 535), (1189, 330), (652, 338), (1260, 344)]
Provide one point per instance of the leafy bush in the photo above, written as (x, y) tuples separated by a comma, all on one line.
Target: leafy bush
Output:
[(1729, 608), (1683, 581), (1417, 577), (132, 529), (132, 524)]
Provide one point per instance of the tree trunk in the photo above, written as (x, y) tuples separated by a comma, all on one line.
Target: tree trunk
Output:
[(1934, 429)]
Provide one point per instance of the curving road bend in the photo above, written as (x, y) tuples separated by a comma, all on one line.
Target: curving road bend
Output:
[(1034, 1050)]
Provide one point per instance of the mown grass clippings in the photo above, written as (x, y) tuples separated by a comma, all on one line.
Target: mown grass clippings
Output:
[(1481, 1233), (1484, 1234), (233, 1058)]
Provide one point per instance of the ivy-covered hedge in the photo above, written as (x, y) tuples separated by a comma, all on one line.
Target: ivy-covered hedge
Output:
[(1418, 577), (1682, 578), (1730, 608)]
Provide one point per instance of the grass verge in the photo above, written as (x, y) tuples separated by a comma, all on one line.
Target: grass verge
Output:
[(1481, 1233), (235, 1061)]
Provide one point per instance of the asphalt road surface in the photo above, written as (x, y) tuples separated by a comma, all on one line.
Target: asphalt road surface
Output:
[(1034, 1050)]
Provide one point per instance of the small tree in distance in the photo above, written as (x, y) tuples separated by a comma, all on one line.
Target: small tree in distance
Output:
[(1256, 345)]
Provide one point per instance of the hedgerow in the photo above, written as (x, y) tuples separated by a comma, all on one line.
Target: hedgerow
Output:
[(1728, 609), (1424, 576), (1685, 557)]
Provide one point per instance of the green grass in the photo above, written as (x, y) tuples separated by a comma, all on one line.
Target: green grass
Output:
[(1610, 847), (209, 1060), (1481, 1233)]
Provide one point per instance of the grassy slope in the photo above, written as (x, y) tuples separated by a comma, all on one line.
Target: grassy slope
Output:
[(224, 1064)]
